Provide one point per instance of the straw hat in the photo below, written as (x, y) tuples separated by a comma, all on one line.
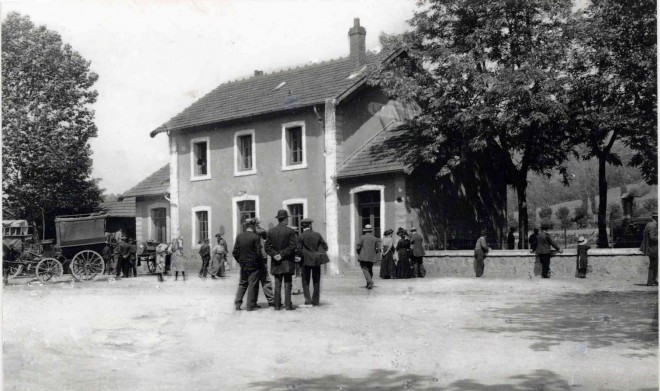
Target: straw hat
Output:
[(582, 240)]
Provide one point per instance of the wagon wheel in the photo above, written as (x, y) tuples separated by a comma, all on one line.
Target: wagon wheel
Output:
[(86, 265), (151, 265), (13, 270), (48, 268)]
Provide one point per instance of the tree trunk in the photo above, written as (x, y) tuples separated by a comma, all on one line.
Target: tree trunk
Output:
[(602, 203), (521, 190), (43, 225)]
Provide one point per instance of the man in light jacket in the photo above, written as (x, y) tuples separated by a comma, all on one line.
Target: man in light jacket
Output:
[(368, 248), (417, 246)]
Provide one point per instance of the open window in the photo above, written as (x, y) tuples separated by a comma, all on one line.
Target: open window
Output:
[(200, 165)]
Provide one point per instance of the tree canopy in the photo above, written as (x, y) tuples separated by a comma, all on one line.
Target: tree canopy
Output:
[(47, 123)]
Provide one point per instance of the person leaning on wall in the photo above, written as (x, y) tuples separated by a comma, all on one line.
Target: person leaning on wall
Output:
[(480, 251), (544, 242)]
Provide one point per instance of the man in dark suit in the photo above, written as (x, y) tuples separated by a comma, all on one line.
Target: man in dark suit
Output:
[(281, 246), (544, 243), (247, 252), (368, 248), (417, 246), (650, 248), (205, 253), (264, 277), (309, 244)]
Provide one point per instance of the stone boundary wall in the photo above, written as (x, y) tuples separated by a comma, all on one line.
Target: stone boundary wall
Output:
[(623, 264)]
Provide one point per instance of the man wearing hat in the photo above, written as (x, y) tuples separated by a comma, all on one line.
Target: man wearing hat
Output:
[(650, 248), (205, 254), (309, 244), (368, 248), (281, 246), (417, 245), (544, 243), (264, 278), (218, 256), (247, 252)]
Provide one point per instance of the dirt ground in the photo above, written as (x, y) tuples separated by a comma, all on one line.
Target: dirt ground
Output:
[(431, 334)]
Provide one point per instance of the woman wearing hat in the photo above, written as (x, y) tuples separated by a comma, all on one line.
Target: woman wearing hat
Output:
[(387, 265), (403, 268), (177, 258), (582, 249)]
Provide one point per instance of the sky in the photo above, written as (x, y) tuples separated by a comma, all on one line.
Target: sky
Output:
[(155, 58)]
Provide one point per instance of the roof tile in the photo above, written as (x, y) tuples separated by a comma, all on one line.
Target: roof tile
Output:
[(155, 184)]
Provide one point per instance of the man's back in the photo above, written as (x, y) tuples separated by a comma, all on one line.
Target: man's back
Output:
[(544, 243), (281, 240), (417, 244), (247, 249), (368, 248)]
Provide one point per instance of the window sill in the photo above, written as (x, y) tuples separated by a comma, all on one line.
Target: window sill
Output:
[(200, 178), (245, 173), (295, 167)]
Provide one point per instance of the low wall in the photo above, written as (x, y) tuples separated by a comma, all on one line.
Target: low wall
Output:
[(628, 264)]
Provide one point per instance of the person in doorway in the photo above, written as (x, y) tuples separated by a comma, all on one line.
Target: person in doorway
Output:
[(177, 258), (511, 239), (417, 246), (387, 265), (247, 252), (403, 269), (264, 277), (312, 249), (281, 246), (205, 254), (368, 248), (124, 257), (544, 242), (481, 249), (582, 259), (650, 249)]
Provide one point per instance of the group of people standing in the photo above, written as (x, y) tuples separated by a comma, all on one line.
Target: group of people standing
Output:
[(121, 258), (401, 260), (285, 248)]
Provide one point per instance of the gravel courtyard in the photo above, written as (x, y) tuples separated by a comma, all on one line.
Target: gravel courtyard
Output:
[(431, 334)]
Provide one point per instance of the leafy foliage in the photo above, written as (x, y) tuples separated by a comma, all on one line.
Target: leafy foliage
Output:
[(545, 212), (47, 123), (488, 78), (581, 216), (563, 215)]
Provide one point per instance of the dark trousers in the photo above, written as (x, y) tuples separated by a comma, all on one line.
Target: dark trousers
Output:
[(122, 267), (367, 270), (248, 282), (266, 285), (205, 266), (417, 265), (315, 273), (277, 295), (479, 262), (133, 267), (545, 265), (653, 270)]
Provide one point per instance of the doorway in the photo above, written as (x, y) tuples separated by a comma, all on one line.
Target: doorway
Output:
[(368, 206)]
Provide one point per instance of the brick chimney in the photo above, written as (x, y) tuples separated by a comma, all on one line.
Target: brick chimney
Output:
[(356, 36), (258, 73)]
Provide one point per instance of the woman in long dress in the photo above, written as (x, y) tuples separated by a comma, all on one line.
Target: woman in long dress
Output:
[(387, 266), (403, 269)]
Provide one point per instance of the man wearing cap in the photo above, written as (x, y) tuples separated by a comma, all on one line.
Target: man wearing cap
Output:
[(544, 243), (247, 252), (281, 246), (205, 254), (417, 246), (650, 248), (368, 248), (309, 244), (124, 257)]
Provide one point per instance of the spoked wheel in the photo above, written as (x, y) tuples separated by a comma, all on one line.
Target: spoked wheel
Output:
[(86, 265), (48, 269), (13, 270), (151, 265)]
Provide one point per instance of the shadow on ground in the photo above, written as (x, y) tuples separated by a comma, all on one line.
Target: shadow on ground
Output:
[(597, 319), (393, 380)]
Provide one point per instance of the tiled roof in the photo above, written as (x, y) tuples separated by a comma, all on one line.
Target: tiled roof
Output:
[(288, 89), (155, 184), (381, 154), (125, 208)]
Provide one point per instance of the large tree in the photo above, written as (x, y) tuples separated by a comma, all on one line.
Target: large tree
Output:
[(614, 90), (47, 123), (489, 76)]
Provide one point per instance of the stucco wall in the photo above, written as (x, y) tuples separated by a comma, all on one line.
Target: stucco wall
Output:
[(626, 264), (143, 223), (270, 184)]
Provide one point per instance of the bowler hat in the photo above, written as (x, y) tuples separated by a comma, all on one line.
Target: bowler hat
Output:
[(367, 228), (282, 214)]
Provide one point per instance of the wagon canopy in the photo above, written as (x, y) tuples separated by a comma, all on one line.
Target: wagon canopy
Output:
[(80, 230)]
